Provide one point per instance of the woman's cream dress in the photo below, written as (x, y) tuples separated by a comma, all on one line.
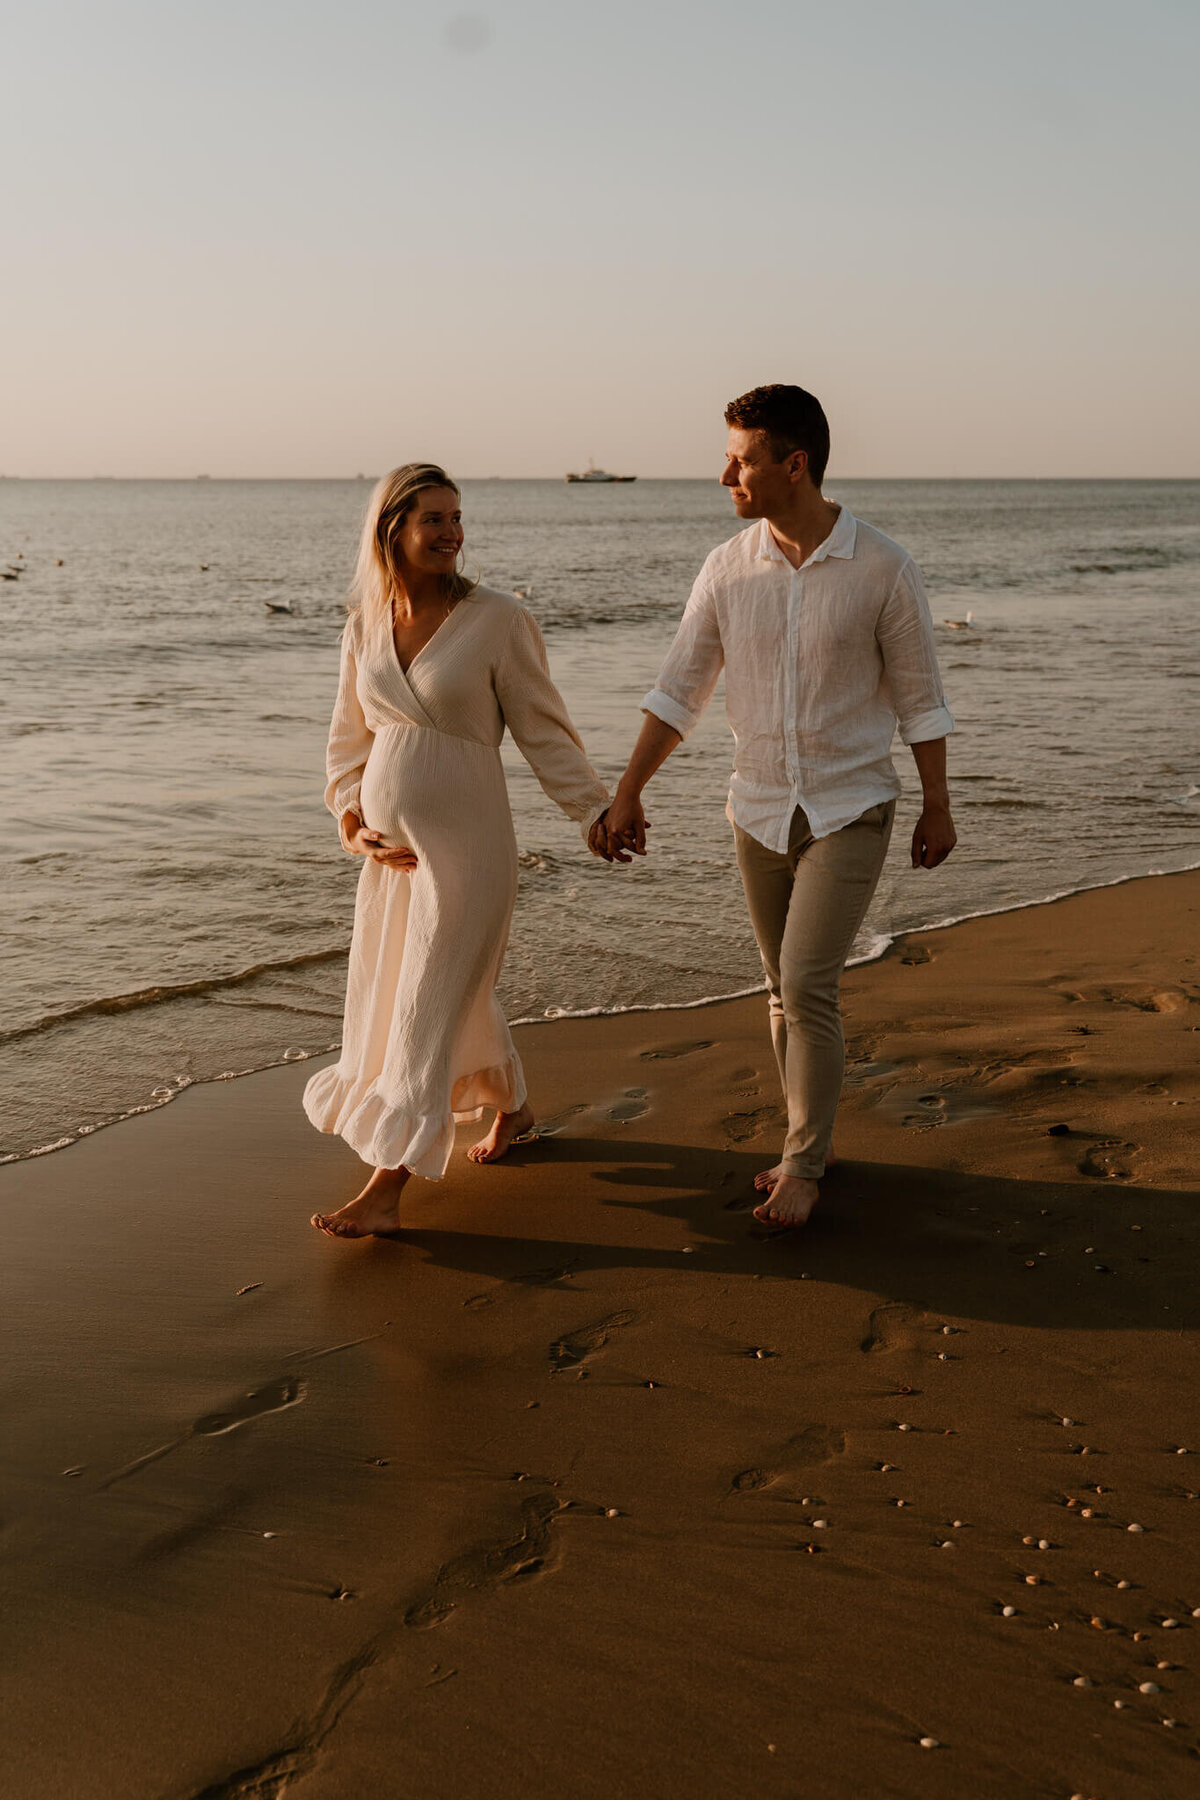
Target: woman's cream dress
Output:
[(417, 756)]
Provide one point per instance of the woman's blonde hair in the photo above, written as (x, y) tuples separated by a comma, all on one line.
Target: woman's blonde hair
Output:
[(377, 576)]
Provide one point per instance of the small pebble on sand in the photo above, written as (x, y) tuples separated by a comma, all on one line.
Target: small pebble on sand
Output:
[(1027, 1540), (1008, 1612), (1085, 1512), (1149, 1687), (1124, 1584), (957, 1524), (904, 1428), (1170, 1624), (1135, 1528), (612, 1512), (1033, 1581), (930, 1744), (1043, 1543), (1084, 1681), (820, 1524), (1196, 1612)]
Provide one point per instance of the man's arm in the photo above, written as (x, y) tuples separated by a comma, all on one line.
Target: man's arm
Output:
[(934, 837), (623, 826), (683, 690)]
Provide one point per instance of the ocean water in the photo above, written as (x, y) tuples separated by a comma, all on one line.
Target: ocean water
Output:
[(177, 908)]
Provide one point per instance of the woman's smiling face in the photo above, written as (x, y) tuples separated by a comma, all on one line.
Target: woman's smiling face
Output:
[(430, 535)]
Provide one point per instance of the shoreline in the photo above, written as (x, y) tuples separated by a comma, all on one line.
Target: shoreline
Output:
[(122, 1003), (581, 1482)]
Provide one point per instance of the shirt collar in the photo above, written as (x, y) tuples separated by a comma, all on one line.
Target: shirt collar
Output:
[(839, 543)]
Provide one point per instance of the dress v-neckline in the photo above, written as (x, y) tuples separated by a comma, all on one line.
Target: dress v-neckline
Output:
[(432, 638)]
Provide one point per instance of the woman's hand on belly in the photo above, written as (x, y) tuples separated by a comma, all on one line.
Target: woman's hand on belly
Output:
[(392, 856)]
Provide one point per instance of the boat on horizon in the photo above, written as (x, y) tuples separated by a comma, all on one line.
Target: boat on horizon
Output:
[(592, 473)]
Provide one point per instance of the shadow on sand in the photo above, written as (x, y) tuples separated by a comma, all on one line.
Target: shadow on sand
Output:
[(1055, 1255)]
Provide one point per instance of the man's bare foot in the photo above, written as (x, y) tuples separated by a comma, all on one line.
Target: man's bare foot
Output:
[(373, 1213), (790, 1202), (505, 1128), (766, 1181)]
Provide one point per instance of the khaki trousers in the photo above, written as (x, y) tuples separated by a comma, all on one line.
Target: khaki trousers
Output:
[(806, 907)]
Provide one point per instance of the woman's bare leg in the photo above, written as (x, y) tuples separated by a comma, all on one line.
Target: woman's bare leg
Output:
[(373, 1213), (505, 1127)]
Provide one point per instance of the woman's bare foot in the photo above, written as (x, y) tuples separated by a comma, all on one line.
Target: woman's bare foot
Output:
[(790, 1202), (505, 1128), (766, 1181), (373, 1213)]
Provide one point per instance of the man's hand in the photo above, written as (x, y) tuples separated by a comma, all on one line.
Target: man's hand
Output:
[(934, 837)]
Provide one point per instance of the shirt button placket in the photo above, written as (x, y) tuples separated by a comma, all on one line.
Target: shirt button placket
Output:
[(791, 684)]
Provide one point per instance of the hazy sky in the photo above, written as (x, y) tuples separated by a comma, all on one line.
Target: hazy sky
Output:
[(313, 237)]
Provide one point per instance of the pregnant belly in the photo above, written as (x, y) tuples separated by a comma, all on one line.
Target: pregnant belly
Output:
[(429, 791)]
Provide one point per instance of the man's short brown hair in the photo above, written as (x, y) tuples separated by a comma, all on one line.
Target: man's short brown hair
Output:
[(789, 418)]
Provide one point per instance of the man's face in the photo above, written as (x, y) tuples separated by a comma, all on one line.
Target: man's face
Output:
[(761, 487)]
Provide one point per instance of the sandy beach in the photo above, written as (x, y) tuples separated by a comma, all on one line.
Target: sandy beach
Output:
[(590, 1488)]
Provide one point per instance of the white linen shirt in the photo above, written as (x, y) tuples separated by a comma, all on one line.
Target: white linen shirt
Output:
[(821, 664)]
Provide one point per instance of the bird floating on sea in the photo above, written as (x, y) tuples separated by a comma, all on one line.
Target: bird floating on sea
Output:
[(960, 624), (278, 606)]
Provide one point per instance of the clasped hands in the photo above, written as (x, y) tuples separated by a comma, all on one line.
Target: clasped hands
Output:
[(619, 834)]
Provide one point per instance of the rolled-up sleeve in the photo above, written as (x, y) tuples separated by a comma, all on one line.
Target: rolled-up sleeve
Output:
[(350, 739), (537, 717), (687, 678), (905, 636)]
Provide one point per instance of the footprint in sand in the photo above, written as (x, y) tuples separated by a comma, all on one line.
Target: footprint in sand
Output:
[(551, 1127), (916, 954), (1109, 1160), (740, 1127), (668, 1052), (573, 1351), (634, 1106), (933, 1113), (523, 1557), (891, 1327), (815, 1445), (273, 1398)]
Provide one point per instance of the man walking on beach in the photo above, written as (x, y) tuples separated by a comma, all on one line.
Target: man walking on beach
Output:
[(824, 633)]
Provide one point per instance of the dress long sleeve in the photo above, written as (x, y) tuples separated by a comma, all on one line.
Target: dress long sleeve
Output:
[(537, 717), (350, 739)]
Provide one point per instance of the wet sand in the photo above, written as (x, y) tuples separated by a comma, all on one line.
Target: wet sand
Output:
[(588, 1488)]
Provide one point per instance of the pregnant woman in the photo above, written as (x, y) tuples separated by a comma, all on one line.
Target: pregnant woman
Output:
[(433, 669)]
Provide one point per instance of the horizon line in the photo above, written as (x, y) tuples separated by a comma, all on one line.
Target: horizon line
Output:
[(363, 480)]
